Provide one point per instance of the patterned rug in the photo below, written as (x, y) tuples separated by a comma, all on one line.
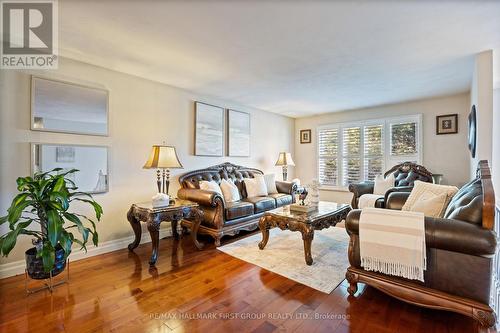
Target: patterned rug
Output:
[(284, 255)]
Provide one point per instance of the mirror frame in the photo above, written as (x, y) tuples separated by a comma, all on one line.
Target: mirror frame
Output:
[(472, 131), (32, 105), (33, 158)]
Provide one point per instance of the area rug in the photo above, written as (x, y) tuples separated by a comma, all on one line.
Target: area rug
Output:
[(284, 255)]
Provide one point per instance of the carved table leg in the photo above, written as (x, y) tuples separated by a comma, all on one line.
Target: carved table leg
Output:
[(307, 237), (175, 233), (198, 218), (136, 226), (155, 240), (264, 228)]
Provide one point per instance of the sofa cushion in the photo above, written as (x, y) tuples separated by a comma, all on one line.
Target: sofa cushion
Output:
[(238, 209), (282, 199), (262, 204)]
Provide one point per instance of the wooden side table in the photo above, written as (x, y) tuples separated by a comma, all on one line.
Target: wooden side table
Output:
[(153, 217)]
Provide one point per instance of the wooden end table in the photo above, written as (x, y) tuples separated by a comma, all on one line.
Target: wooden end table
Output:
[(326, 215), (181, 209)]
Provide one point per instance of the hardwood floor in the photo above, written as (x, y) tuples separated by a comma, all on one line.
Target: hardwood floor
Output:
[(203, 291)]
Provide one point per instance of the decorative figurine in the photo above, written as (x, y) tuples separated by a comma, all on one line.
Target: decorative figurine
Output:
[(302, 196)]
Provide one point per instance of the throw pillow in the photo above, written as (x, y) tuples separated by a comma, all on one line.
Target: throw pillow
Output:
[(427, 190), (433, 205), (383, 184), (229, 191), (255, 187), (270, 180), (210, 186)]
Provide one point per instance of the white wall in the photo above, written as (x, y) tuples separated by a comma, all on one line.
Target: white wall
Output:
[(495, 164), (496, 125), (142, 113), (481, 95), (445, 154)]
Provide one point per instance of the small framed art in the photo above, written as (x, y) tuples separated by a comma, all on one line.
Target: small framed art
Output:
[(447, 124), (305, 136)]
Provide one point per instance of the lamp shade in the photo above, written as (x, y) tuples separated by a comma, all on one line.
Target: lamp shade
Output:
[(163, 157), (284, 159)]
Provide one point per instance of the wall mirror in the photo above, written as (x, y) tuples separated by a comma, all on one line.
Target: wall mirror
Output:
[(58, 106), (92, 161)]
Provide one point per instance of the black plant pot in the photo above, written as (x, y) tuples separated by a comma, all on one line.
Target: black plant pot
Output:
[(34, 265)]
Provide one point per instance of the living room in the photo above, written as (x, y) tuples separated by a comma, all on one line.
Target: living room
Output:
[(164, 98)]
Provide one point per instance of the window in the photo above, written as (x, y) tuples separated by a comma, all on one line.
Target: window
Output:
[(354, 152)]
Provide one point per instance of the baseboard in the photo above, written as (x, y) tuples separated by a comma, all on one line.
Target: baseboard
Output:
[(17, 267)]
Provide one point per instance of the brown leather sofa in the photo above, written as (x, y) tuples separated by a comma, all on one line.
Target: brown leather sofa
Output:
[(460, 250), (405, 175), (222, 218)]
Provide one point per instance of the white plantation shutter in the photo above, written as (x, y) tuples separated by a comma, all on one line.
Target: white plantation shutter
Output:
[(328, 159), (373, 141), (349, 153)]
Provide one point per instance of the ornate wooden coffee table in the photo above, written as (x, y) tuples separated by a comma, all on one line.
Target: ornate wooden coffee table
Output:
[(182, 209), (326, 215)]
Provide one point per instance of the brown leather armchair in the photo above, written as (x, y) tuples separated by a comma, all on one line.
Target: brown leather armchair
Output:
[(405, 175), (460, 249), (228, 218)]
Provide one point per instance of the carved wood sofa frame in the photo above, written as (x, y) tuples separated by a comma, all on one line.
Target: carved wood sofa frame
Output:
[(413, 293)]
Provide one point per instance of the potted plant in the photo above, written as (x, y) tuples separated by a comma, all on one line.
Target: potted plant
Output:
[(45, 199)]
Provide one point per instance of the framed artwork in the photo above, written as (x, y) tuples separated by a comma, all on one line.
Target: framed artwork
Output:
[(238, 133), (472, 135), (447, 124), (66, 107), (209, 130), (305, 136), (92, 161)]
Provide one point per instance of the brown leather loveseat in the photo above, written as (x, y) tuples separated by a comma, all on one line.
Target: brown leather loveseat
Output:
[(222, 218), (460, 250)]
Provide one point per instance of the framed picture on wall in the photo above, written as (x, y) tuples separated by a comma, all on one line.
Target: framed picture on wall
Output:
[(305, 136), (447, 124), (238, 134), (209, 130)]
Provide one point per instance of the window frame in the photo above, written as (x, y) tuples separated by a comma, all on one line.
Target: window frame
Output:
[(388, 159)]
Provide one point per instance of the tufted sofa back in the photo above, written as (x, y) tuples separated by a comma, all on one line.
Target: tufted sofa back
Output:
[(407, 173), (217, 173), (467, 203)]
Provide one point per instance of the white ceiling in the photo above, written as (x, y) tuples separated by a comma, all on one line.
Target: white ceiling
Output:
[(295, 58)]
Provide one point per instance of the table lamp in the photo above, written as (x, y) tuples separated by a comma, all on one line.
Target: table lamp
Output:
[(284, 160), (163, 158)]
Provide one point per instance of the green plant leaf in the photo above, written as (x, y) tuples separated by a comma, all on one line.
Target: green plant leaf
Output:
[(10, 238), (76, 220), (59, 184), (3, 219), (97, 207), (62, 198), (54, 226), (48, 255), (66, 243), (19, 198), (16, 211)]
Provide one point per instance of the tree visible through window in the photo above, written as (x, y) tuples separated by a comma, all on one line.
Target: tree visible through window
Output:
[(404, 139)]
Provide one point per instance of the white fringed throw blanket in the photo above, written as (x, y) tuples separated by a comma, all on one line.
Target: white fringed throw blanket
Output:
[(393, 242)]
